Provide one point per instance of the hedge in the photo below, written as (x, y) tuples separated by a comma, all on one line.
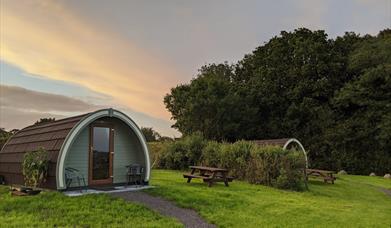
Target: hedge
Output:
[(271, 166)]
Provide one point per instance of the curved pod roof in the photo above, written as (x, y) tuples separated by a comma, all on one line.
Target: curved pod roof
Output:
[(85, 122), (57, 137), (284, 143)]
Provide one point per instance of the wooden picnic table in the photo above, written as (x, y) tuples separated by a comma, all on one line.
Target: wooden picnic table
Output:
[(208, 174), (325, 174)]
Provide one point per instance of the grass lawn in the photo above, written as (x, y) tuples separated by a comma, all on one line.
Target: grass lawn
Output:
[(353, 201), (51, 209)]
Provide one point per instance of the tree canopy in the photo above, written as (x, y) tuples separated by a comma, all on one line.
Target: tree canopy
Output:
[(332, 94), (44, 120), (150, 134)]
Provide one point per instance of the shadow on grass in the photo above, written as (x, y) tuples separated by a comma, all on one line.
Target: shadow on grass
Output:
[(318, 182)]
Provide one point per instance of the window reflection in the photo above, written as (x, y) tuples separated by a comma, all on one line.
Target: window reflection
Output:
[(101, 153)]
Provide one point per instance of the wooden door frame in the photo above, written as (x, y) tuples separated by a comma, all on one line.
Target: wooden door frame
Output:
[(109, 180)]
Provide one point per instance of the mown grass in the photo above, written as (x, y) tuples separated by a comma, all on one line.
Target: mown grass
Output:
[(53, 209), (353, 201)]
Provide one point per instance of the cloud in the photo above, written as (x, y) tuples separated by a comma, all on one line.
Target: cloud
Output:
[(20, 107), (310, 14), (45, 38), (14, 118), (21, 98)]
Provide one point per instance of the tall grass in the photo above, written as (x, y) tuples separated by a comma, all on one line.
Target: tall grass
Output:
[(270, 166)]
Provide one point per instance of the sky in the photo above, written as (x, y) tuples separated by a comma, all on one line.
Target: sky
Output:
[(64, 58)]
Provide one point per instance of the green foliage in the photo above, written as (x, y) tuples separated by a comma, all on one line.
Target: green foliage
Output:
[(235, 157), (4, 136), (155, 153), (35, 167), (276, 167), (270, 166), (332, 94), (210, 104), (362, 134), (211, 154), (44, 120), (150, 134), (182, 153)]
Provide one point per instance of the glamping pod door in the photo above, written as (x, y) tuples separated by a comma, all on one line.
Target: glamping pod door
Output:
[(101, 155)]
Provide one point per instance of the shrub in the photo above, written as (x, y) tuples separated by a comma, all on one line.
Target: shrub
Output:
[(182, 153), (272, 166), (35, 167), (211, 154), (174, 156), (263, 165), (235, 157), (291, 175), (155, 153), (194, 146)]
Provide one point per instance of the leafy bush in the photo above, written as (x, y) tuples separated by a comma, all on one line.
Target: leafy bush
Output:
[(272, 166), (35, 167), (194, 146), (174, 156), (182, 153), (211, 154), (155, 153), (235, 157)]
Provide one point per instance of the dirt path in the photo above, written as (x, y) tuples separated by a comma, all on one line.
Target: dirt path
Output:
[(387, 191), (188, 217)]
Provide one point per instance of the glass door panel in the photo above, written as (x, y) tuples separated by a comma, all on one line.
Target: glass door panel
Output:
[(101, 155)]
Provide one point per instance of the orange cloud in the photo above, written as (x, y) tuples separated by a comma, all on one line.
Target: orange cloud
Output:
[(44, 38)]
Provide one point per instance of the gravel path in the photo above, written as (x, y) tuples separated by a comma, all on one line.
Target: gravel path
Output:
[(188, 217)]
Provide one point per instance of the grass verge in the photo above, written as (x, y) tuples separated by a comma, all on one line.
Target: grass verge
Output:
[(53, 209)]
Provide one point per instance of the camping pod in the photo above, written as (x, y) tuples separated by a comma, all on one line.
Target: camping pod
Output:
[(99, 145)]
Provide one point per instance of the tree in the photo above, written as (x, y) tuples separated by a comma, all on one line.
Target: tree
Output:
[(361, 134), (150, 134), (44, 120), (5, 135), (211, 104), (298, 84)]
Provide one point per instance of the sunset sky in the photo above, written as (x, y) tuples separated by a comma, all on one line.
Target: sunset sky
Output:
[(63, 58)]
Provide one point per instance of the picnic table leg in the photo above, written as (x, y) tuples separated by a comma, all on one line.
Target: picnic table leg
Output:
[(324, 178), (331, 178), (189, 178), (210, 182), (305, 179), (224, 174)]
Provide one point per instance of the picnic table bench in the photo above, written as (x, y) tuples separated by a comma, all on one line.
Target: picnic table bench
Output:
[(325, 174), (208, 174)]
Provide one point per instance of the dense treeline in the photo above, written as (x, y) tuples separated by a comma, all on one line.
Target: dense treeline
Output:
[(334, 95)]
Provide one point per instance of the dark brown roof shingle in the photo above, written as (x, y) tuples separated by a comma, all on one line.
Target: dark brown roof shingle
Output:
[(271, 142), (49, 136)]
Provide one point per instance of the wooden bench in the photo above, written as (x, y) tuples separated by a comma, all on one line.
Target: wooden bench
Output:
[(325, 174), (209, 175), (190, 176)]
